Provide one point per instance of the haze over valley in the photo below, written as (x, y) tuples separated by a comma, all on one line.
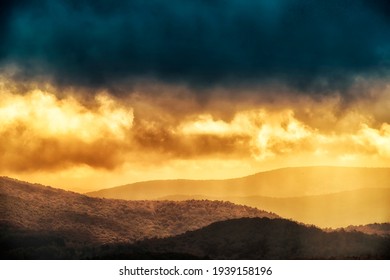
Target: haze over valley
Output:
[(322, 196)]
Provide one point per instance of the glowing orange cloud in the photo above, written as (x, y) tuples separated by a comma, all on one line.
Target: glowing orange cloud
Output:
[(51, 135), (38, 130)]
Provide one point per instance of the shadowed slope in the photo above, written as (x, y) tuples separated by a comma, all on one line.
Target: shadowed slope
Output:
[(254, 238)]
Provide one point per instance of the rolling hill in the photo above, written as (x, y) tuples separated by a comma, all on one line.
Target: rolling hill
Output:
[(79, 218), (257, 238), (286, 182)]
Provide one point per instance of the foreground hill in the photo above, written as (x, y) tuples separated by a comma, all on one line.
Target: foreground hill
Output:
[(255, 238), (286, 182), (35, 209)]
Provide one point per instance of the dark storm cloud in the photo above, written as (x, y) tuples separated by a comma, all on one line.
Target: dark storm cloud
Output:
[(318, 45)]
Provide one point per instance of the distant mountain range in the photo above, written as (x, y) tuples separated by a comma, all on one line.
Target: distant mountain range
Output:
[(323, 196)]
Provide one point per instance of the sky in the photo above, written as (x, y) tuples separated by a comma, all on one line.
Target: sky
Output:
[(96, 94)]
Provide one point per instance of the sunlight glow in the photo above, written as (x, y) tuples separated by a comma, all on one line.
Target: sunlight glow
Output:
[(45, 133), (48, 116)]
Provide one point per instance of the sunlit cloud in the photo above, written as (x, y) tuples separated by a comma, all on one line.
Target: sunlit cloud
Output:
[(375, 140), (52, 134), (50, 116), (40, 131)]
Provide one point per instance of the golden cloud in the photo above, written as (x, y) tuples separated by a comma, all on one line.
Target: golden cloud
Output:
[(39, 130), (44, 129)]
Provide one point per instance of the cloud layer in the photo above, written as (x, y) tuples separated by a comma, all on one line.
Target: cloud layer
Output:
[(41, 131)]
